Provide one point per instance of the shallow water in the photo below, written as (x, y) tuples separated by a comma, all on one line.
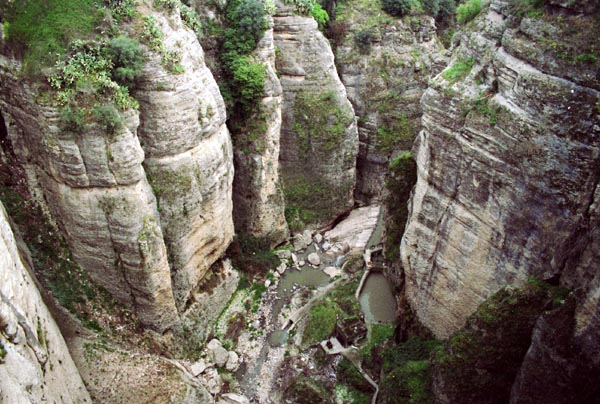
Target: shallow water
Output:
[(278, 338), (308, 276), (377, 301)]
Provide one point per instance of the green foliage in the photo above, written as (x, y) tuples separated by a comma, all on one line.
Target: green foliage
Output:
[(127, 60), (151, 34), (2, 352), (307, 200), (171, 61), (409, 383), (190, 18), (121, 9), (526, 8), (320, 15), (399, 8), (43, 29), (348, 374), (468, 10), (459, 70), (248, 80), (251, 20), (402, 177), (108, 118), (319, 122), (252, 255), (479, 363), (72, 119), (321, 323), (399, 133), (246, 24), (483, 106), (363, 39), (441, 9), (304, 390), (167, 5)]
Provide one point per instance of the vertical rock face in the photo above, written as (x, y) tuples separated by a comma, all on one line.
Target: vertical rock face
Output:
[(319, 139), (95, 187), (385, 74), (508, 170), (146, 210), (508, 163), (258, 196), (189, 158), (35, 364)]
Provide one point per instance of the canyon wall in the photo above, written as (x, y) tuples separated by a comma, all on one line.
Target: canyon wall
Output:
[(145, 210), (319, 138), (507, 190), (35, 364)]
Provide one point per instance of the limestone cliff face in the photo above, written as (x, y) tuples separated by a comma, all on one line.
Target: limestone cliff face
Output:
[(95, 187), (189, 157), (147, 210), (319, 139), (258, 195), (35, 364), (385, 69), (507, 172)]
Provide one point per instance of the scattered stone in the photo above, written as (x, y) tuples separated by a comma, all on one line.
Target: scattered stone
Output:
[(294, 258), (198, 367), (212, 380), (267, 283), (217, 353), (301, 264), (318, 238), (281, 268), (332, 271), (276, 274), (232, 398), (326, 246), (283, 254), (314, 259), (233, 362)]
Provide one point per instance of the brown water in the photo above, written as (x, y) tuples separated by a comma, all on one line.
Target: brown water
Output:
[(377, 300)]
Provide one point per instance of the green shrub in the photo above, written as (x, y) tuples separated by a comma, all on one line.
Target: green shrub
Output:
[(72, 119), (108, 118), (320, 15), (363, 39), (121, 9), (459, 70), (127, 60), (151, 34), (190, 18), (250, 16), (399, 8), (440, 9), (248, 80), (468, 10)]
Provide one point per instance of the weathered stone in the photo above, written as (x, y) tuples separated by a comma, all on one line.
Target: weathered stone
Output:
[(217, 353), (319, 141), (258, 197), (189, 157), (198, 367), (281, 268), (314, 259), (332, 271), (232, 398), (35, 364), (318, 238), (355, 230), (212, 380), (233, 362)]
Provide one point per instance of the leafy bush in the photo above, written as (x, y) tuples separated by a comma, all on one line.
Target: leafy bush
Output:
[(363, 39), (249, 80), (151, 34), (189, 18), (440, 9), (121, 9), (468, 10), (250, 16), (320, 15), (127, 60), (108, 118), (399, 8), (72, 119)]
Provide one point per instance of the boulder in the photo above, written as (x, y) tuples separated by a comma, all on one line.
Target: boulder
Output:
[(233, 362), (217, 353), (314, 259)]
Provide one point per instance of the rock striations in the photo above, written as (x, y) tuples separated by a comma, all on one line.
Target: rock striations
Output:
[(319, 139), (36, 365), (508, 170), (258, 196)]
